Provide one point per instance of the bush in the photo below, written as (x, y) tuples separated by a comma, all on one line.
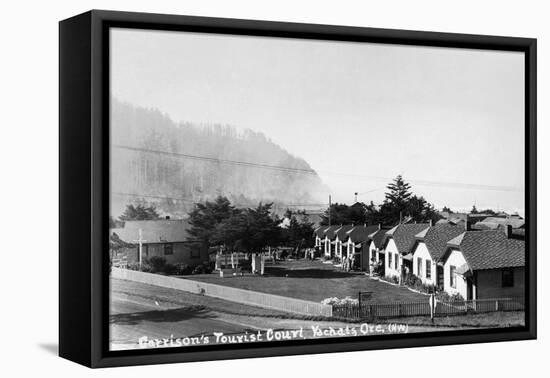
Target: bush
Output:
[(340, 301), (201, 269), (395, 279), (170, 269), (157, 263), (145, 267), (183, 269), (446, 297)]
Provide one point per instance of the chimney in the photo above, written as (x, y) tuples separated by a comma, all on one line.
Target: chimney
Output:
[(508, 230), (431, 222), (467, 225), (379, 226)]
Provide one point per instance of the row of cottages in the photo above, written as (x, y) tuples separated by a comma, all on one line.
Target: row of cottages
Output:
[(345, 241), (168, 238)]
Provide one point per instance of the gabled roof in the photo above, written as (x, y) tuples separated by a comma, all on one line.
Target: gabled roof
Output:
[(359, 234), (378, 237), (436, 238), (341, 232), (330, 232), (154, 231), (404, 235), (488, 249), (320, 231)]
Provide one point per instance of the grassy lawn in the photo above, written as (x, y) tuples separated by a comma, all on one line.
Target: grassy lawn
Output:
[(314, 281)]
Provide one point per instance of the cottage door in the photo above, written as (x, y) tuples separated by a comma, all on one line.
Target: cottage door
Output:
[(440, 278), (469, 289)]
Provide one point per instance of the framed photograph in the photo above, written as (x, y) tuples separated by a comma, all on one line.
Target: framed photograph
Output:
[(235, 188)]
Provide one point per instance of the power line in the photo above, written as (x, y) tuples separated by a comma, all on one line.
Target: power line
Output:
[(190, 200), (452, 185), (216, 160)]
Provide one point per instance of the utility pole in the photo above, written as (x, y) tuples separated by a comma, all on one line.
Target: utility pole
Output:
[(140, 245), (329, 209)]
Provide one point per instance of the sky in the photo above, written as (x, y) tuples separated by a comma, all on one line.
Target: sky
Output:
[(451, 121)]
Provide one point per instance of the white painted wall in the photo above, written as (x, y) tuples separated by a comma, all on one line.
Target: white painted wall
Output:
[(391, 248), (456, 258), (421, 251)]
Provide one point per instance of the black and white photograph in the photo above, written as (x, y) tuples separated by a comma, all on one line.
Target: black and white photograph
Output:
[(267, 189), (274, 189)]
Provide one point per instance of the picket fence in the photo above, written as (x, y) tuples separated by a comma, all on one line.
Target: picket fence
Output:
[(367, 311)]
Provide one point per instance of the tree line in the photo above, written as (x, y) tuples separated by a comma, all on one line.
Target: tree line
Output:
[(400, 205)]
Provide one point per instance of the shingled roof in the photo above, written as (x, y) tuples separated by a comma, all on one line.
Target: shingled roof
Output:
[(330, 232), (488, 249), (378, 237), (359, 234), (154, 231), (404, 235), (436, 238), (320, 231), (341, 232)]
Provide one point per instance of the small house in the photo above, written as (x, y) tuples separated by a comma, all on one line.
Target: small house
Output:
[(398, 248), (429, 247), (340, 237), (319, 234), (167, 238), (357, 245), (328, 241), (376, 249), (485, 264)]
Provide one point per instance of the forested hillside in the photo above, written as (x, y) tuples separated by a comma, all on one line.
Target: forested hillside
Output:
[(173, 165)]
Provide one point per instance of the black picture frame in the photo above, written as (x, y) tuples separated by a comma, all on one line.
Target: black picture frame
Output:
[(83, 180)]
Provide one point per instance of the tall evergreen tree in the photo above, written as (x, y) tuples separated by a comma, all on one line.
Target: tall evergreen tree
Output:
[(399, 192), (139, 212), (205, 217)]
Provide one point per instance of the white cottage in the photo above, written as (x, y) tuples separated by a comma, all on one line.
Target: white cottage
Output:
[(340, 238), (430, 246), (376, 248), (485, 264), (357, 245), (398, 245), (328, 241)]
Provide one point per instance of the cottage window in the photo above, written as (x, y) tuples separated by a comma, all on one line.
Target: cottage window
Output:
[(452, 274), (390, 255), (507, 278), (396, 261), (168, 249), (419, 267), (428, 269)]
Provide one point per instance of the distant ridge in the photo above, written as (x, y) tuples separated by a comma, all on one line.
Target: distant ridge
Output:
[(173, 165)]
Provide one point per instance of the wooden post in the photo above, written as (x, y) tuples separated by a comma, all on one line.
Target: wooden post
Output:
[(140, 246), (432, 307)]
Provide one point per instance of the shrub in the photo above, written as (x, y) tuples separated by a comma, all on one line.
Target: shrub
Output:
[(201, 269), (412, 281), (395, 279), (170, 269), (145, 267), (183, 269), (446, 297), (157, 263), (340, 301)]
